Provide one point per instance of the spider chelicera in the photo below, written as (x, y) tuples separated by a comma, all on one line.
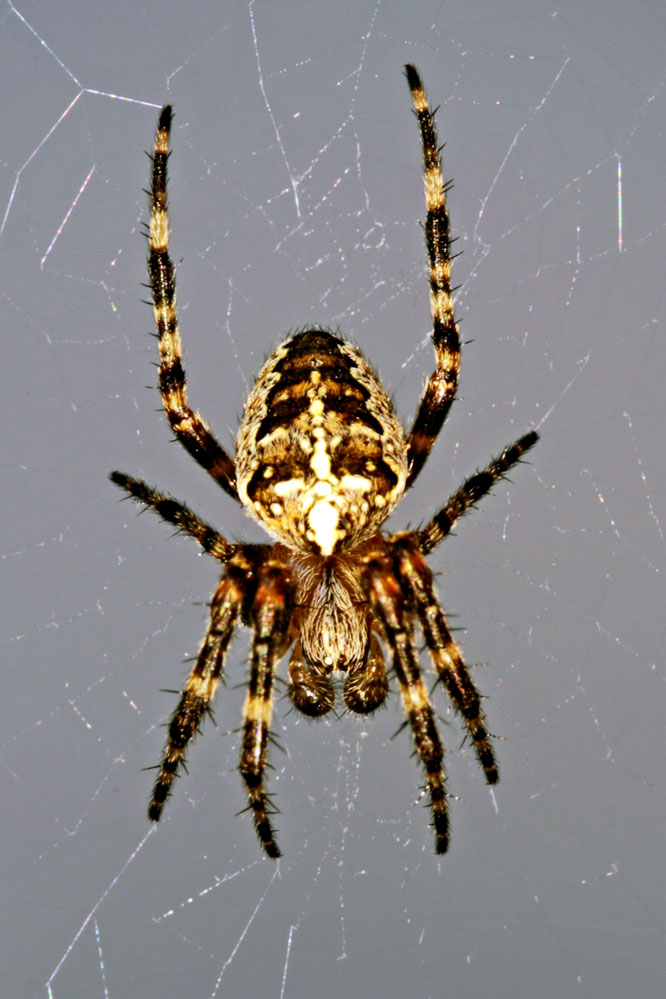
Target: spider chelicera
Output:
[(321, 461)]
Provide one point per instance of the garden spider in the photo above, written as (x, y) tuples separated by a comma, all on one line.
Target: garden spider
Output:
[(321, 462)]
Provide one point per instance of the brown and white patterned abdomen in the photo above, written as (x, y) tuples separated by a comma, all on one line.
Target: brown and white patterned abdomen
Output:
[(321, 457)]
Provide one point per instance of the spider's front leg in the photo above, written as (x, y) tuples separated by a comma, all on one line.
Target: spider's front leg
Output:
[(201, 684), (270, 616), (417, 581), (389, 606)]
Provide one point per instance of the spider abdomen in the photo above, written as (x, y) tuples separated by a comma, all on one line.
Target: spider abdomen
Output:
[(321, 457)]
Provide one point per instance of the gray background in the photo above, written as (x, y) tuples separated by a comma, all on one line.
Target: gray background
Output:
[(296, 194)]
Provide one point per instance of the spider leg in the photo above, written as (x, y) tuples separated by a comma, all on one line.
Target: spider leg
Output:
[(441, 387), (416, 577), (201, 684), (270, 617), (388, 604), (177, 514), (189, 427), (471, 491)]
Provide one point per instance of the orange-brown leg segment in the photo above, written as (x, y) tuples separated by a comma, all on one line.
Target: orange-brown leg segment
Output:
[(387, 603), (446, 655), (189, 427), (201, 684), (441, 387), (270, 616)]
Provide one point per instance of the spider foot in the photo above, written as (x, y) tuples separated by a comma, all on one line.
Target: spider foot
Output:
[(440, 814), (262, 808)]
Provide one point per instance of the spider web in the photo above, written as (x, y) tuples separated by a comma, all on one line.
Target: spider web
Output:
[(295, 197)]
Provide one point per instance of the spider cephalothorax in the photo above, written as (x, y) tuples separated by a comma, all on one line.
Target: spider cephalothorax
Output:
[(321, 461)]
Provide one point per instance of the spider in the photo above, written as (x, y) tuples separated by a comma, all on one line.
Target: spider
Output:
[(321, 461)]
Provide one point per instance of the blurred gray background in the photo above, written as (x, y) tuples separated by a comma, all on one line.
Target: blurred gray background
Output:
[(296, 196)]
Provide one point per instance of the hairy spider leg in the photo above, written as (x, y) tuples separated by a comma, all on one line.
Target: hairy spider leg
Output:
[(201, 684), (441, 387), (445, 652), (472, 490), (189, 427), (270, 616), (388, 604), (178, 514)]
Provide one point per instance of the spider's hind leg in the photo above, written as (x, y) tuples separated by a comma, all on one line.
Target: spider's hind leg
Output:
[(441, 387), (189, 426)]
